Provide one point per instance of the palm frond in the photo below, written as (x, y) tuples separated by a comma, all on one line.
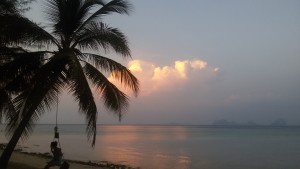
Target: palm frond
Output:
[(8, 6), (14, 6), (31, 35), (7, 108), (66, 16), (23, 5), (80, 88), (114, 6), (18, 71), (8, 53), (100, 36), (114, 99), (119, 72), (31, 103)]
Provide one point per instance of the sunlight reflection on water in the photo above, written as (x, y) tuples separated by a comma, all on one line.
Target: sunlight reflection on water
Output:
[(176, 147), (136, 146)]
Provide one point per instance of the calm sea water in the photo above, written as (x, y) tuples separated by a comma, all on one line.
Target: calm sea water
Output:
[(177, 147)]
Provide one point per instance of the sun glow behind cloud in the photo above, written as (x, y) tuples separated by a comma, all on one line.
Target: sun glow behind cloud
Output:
[(179, 74)]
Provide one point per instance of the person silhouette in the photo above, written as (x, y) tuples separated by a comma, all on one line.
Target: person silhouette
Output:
[(57, 156)]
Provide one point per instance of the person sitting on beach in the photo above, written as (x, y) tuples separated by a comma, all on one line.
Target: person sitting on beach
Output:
[(57, 156)]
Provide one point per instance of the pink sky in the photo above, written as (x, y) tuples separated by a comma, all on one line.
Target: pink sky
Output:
[(201, 61)]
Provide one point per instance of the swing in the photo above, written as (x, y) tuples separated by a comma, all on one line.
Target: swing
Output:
[(56, 148), (56, 134)]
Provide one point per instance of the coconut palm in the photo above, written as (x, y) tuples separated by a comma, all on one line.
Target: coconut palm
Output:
[(38, 65)]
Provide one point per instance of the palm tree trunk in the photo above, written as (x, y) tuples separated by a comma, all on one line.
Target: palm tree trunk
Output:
[(6, 154)]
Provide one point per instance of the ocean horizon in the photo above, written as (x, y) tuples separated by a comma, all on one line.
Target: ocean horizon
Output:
[(175, 146)]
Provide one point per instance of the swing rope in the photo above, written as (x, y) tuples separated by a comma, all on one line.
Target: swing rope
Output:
[(56, 110), (56, 134)]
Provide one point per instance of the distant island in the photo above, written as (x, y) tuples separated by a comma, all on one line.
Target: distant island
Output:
[(279, 122), (223, 122)]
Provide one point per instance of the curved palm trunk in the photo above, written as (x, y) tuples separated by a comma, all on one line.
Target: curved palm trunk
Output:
[(6, 154)]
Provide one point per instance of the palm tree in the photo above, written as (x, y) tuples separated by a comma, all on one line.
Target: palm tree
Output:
[(37, 65)]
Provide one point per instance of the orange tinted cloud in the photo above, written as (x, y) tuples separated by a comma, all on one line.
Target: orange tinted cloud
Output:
[(155, 78)]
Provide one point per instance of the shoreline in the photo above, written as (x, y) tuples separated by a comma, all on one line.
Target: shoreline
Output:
[(39, 160)]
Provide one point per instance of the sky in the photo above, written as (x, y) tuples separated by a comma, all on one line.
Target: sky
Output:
[(199, 61)]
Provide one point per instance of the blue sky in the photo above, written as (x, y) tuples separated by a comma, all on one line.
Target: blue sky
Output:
[(200, 61)]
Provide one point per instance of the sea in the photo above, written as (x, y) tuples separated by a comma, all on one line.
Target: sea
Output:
[(175, 146)]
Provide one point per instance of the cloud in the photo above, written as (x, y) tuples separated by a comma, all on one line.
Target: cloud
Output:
[(179, 70), (171, 78)]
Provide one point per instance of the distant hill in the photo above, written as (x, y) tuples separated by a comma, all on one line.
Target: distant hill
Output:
[(223, 122), (279, 122)]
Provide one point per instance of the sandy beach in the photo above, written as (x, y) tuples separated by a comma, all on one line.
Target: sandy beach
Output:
[(22, 160), (28, 161)]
